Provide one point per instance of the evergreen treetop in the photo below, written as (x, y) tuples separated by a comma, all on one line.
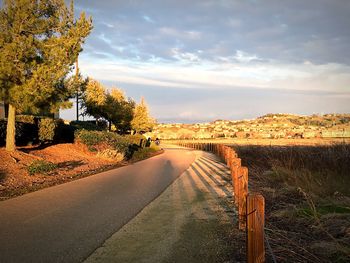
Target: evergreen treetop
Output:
[(39, 42)]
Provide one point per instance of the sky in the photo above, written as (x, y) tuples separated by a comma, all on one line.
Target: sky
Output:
[(202, 60)]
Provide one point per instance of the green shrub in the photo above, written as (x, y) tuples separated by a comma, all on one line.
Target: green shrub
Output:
[(89, 138), (135, 138), (155, 147), (143, 153), (64, 133), (118, 142), (26, 118), (97, 139), (26, 133), (86, 125), (41, 166), (47, 129), (31, 129), (2, 132)]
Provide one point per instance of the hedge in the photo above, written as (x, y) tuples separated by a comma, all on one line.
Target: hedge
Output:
[(86, 125), (135, 139), (32, 130), (94, 139), (26, 133), (47, 129), (35, 130), (27, 119)]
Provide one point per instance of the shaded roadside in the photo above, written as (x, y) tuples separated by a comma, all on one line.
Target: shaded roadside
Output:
[(193, 220)]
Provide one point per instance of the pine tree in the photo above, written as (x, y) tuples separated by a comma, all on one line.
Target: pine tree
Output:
[(39, 43), (119, 110), (142, 121), (110, 105), (94, 99), (113, 108)]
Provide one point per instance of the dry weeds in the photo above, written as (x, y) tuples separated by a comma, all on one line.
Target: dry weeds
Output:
[(307, 199)]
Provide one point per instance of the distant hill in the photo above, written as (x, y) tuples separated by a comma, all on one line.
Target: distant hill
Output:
[(268, 126)]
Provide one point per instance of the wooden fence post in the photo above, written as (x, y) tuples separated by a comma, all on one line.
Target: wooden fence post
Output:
[(229, 157), (255, 228), (242, 196), (236, 163)]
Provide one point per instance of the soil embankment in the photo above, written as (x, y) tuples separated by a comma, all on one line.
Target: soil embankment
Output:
[(71, 162)]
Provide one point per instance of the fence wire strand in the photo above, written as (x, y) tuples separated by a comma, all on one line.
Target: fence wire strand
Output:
[(266, 238)]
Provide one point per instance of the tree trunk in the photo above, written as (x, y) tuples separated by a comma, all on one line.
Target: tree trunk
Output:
[(77, 97), (77, 109), (11, 129)]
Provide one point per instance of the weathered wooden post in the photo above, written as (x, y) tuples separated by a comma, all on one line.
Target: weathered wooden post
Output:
[(230, 156), (236, 163), (228, 153), (242, 196), (255, 228)]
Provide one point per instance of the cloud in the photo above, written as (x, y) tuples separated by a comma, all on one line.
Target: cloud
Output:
[(185, 56), (173, 32), (242, 56), (292, 48), (148, 19), (287, 31), (272, 75)]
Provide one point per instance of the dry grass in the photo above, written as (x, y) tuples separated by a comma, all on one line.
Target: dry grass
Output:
[(268, 142), (307, 192)]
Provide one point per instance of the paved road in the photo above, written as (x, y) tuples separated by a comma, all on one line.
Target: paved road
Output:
[(66, 223)]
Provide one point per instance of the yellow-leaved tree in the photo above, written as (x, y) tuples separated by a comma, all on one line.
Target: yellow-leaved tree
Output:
[(142, 121)]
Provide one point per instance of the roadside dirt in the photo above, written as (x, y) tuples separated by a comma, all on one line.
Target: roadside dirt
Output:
[(193, 220), (73, 161)]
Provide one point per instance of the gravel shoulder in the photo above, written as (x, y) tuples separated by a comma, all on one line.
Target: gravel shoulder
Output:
[(193, 220)]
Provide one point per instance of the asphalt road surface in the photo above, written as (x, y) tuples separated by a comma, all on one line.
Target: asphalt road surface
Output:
[(66, 223)]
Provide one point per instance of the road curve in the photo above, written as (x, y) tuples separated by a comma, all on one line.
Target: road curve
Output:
[(66, 223)]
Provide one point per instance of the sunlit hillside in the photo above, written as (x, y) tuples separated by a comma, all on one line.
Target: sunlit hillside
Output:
[(270, 126)]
